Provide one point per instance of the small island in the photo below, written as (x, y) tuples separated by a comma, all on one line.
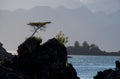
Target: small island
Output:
[(86, 49)]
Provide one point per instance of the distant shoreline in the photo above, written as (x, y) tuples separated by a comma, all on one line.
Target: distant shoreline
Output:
[(91, 50), (89, 55)]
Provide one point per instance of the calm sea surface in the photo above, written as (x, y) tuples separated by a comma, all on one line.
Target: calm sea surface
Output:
[(87, 66)]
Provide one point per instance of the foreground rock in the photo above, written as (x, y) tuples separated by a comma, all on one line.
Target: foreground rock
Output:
[(4, 54), (35, 61), (109, 73)]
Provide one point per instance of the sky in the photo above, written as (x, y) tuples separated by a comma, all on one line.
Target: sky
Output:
[(107, 6)]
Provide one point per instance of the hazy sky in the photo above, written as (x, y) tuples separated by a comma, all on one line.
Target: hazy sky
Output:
[(107, 6)]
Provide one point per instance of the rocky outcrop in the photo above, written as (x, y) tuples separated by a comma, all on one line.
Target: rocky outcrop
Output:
[(109, 73), (3, 53), (35, 61)]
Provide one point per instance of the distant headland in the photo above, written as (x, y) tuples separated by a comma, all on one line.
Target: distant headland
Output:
[(86, 49)]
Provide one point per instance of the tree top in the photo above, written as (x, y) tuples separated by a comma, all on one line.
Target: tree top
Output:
[(38, 24)]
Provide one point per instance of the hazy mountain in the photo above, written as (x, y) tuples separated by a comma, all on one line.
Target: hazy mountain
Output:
[(78, 24)]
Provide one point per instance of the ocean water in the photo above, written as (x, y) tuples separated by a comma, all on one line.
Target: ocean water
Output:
[(88, 66)]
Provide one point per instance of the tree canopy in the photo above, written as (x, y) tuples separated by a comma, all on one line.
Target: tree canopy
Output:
[(38, 26), (77, 44)]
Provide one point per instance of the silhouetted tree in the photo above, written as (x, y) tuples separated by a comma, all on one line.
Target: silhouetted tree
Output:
[(93, 46), (119, 51), (76, 44), (85, 44), (94, 49), (38, 26)]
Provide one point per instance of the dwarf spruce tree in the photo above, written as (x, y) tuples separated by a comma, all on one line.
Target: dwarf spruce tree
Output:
[(38, 26)]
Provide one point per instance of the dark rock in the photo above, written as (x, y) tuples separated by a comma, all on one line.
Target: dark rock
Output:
[(9, 73), (109, 73), (117, 66), (4, 54), (57, 52), (35, 61)]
